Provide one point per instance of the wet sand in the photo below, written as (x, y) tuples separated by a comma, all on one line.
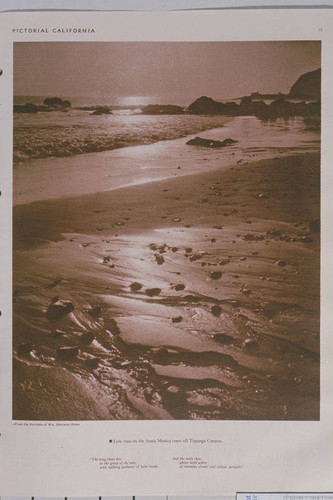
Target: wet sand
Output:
[(224, 321)]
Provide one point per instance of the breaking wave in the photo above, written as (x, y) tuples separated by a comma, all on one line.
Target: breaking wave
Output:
[(57, 134)]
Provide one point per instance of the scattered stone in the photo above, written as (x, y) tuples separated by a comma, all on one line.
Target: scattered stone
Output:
[(223, 338), (174, 249), (284, 237), (172, 389), (246, 291), (159, 259), (25, 348), (253, 237), (57, 333), (188, 250), (195, 257), (86, 338), (224, 262), (242, 259), (263, 196), (251, 344), (216, 275), (179, 287), (91, 363), (176, 219), (106, 259), (281, 263), (275, 232), (95, 312), (213, 240), (58, 309), (177, 319), (192, 298), (152, 292), (135, 286), (305, 239), (66, 352), (216, 310)]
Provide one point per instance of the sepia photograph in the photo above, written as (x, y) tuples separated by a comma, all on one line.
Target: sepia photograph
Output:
[(166, 230)]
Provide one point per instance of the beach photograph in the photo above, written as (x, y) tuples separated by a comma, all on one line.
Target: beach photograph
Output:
[(166, 230)]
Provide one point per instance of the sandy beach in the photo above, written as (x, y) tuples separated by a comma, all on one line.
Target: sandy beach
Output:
[(201, 293)]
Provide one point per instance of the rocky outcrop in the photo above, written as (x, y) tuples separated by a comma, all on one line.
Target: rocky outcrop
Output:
[(280, 107), (56, 102), (102, 110), (307, 86), (209, 143), (67, 352), (49, 104), (162, 109), (205, 106), (59, 308), (26, 108)]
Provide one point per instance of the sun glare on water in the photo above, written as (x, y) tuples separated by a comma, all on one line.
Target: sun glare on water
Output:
[(135, 100)]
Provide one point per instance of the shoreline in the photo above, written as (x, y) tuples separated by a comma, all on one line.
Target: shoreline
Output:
[(132, 165), (237, 238), (65, 220)]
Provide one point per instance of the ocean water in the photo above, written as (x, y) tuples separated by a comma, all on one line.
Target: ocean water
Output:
[(65, 134), (59, 134)]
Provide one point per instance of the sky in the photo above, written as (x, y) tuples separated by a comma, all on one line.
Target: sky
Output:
[(164, 72)]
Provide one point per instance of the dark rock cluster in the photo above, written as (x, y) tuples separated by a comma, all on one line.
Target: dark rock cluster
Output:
[(49, 104)]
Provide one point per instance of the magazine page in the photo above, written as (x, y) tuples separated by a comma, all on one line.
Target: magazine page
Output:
[(165, 214)]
